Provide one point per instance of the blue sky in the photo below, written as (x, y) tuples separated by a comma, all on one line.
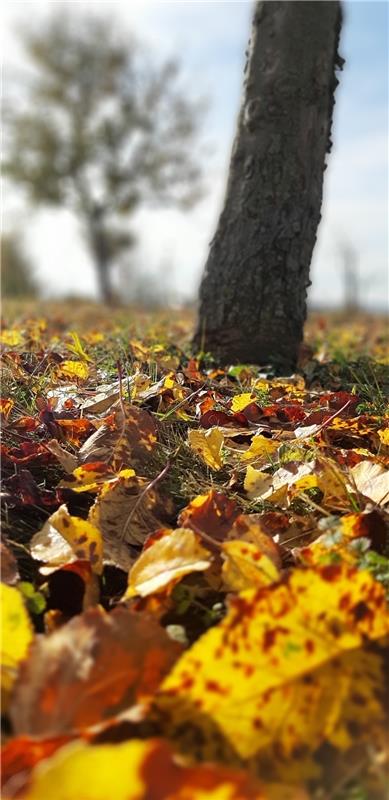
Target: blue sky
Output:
[(210, 38)]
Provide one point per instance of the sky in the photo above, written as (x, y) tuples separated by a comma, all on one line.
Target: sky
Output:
[(209, 39)]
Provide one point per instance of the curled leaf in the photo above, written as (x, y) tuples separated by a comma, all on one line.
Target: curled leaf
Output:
[(176, 554), (84, 541)]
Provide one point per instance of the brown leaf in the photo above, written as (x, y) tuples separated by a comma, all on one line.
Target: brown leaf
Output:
[(128, 442), (213, 513), (8, 566), (126, 512), (92, 668)]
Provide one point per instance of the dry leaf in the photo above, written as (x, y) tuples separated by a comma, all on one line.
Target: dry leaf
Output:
[(84, 540), (137, 770), (90, 669), (126, 512), (372, 480), (165, 562), (66, 459), (127, 442), (16, 637), (77, 370), (208, 445), (246, 567), (241, 675)]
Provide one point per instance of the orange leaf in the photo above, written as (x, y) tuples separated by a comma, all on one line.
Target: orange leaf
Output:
[(93, 667)]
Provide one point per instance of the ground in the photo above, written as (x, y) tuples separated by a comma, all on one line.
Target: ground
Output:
[(195, 560)]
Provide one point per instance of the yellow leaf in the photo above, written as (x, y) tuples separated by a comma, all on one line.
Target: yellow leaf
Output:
[(77, 347), (372, 480), (260, 447), (274, 487), (166, 561), (136, 770), (12, 338), (303, 484), (73, 369), (93, 477), (246, 567), (256, 483), (93, 337), (16, 635), (208, 445), (383, 434), (241, 676), (241, 401), (84, 539)]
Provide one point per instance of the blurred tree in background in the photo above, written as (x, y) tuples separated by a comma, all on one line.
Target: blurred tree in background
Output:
[(16, 272), (98, 127)]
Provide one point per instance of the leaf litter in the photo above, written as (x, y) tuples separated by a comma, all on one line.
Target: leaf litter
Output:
[(150, 498)]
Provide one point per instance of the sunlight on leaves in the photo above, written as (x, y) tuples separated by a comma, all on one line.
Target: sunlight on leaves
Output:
[(78, 370), (135, 770), (165, 562), (241, 673), (208, 445), (83, 538), (245, 567)]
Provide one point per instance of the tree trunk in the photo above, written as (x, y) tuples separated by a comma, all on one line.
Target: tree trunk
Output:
[(253, 292), (101, 251)]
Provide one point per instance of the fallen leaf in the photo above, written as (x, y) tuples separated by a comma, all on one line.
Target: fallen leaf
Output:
[(16, 637), (128, 442), (208, 445), (136, 770), (66, 459), (258, 529), (11, 338), (162, 565), (261, 448), (50, 547), (83, 538), (242, 674), (19, 756), (92, 668), (127, 510), (78, 370), (372, 480), (6, 406), (246, 567), (213, 513), (92, 477), (257, 484)]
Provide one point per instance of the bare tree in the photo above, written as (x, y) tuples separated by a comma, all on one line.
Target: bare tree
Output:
[(100, 128)]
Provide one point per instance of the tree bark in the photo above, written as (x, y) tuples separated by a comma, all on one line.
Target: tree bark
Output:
[(101, 253), (253, 292)]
